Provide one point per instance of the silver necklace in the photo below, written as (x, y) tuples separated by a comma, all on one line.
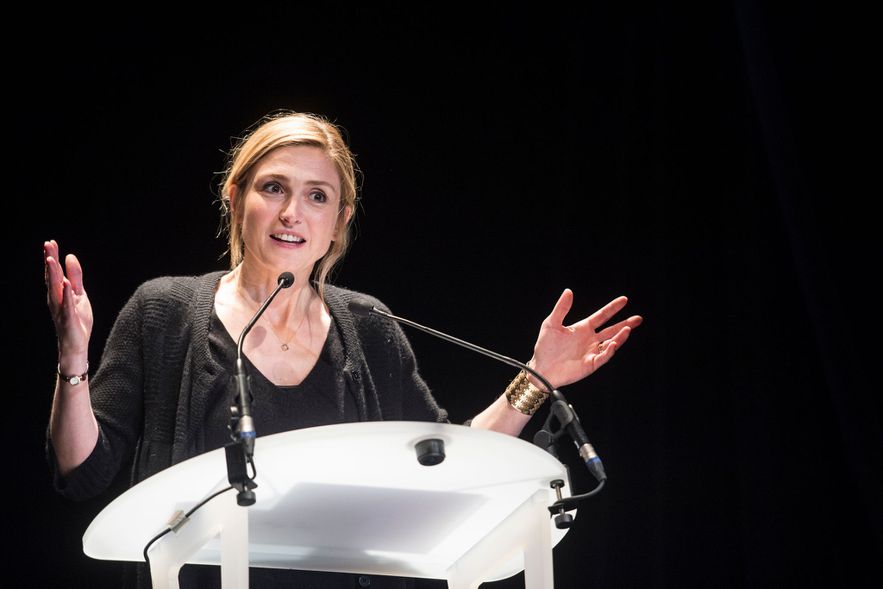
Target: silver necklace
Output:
[(284, 342)]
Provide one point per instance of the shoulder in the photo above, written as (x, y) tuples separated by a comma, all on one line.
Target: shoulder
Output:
[(176, 288), (341, 303), (338, 298), (368, 327), (172, 299), (378, 336)]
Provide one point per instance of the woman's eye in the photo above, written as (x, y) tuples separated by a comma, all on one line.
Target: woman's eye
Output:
[(318, 196), (272, 188)]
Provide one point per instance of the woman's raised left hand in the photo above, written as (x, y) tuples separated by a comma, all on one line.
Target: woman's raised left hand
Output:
[(565, 354)]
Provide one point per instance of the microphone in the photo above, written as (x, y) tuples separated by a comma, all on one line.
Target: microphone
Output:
[(285, 279), (241, 450), (244, 430), (562, 410)]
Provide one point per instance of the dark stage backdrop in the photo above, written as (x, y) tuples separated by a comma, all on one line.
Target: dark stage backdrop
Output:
[(700, 161)]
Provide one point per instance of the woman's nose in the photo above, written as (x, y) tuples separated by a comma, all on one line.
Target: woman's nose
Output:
[(290, 212)]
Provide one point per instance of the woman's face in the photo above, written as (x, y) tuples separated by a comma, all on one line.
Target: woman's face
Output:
[(291, 209)]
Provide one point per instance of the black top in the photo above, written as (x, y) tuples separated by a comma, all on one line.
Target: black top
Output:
[(156, 379), (321, 399), (157, 375)]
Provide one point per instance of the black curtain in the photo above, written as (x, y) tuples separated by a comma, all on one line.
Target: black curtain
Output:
[(705, 161)]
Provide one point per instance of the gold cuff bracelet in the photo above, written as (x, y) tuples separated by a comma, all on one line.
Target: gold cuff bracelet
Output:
[(523, 396)]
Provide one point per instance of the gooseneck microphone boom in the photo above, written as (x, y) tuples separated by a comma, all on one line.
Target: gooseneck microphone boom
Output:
[(245, 431), (562, 409), (241, 422)]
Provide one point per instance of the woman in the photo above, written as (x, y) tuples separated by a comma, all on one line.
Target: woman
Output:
[(162, 392)]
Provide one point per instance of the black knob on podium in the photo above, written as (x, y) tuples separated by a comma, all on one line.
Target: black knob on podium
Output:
[(430, 452)]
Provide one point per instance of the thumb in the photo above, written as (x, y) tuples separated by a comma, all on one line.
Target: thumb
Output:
[(74, 273)]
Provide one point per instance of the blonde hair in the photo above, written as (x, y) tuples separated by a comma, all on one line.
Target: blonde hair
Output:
[(278, 130)]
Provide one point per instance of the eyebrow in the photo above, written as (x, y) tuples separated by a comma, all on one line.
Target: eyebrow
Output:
[(284, 178)]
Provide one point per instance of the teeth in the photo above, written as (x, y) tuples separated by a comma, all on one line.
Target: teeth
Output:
[(288, 238)]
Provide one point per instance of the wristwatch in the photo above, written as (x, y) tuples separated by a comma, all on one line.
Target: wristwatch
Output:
[(76, 378)]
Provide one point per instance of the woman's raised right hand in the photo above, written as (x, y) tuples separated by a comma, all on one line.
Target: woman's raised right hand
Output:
[(70, 308)]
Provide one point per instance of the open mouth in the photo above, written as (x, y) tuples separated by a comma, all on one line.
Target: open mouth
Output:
[(285, 238)]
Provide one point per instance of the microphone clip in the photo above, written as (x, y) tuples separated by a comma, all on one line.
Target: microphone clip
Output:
[(237, 474), (240, 450), (560, 413)]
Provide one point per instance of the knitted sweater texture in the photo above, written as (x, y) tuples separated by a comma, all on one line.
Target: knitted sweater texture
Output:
[(149, 393)]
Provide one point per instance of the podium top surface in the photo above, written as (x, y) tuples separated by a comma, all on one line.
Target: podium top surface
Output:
[(348, 497)]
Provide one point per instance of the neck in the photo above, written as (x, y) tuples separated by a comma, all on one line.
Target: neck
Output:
[(255, 285)]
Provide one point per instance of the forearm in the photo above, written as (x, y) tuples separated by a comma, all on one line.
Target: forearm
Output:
[(501, 417), (73, 430)]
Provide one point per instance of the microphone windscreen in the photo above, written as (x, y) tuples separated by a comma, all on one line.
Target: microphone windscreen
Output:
[(361, 307), (286, 279)]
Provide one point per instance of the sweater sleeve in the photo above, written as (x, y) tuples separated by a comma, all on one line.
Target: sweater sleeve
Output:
[(418, 403), (417, 400), (116, 393)]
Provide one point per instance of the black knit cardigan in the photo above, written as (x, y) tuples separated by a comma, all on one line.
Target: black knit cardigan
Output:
[(149, 394)]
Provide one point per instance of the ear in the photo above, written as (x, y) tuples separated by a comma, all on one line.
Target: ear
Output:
[(347, 212), (233, 193)]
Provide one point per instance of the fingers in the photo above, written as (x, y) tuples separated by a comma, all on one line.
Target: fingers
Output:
[(607, 348), (604, 356), (52, 273), (49, 253), (54, 276), (610, 332), (620, 338), (562, 308), (50, 248), (603, 315)]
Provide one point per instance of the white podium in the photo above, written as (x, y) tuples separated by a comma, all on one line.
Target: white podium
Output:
[(351, 498)]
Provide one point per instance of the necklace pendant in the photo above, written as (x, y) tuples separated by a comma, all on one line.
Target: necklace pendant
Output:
[(284, 347)]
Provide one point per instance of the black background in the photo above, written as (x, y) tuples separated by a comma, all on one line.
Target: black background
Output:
[(705, 162)]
